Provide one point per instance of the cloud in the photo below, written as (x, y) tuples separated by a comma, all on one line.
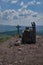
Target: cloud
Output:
[(38, 3), (34, 14), (21, 4), (12, 14), (25, 5), (14, 1), (8, 14), (21, 17), (34, 2), (24, 12)]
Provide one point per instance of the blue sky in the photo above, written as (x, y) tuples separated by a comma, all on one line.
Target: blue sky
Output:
[(22, 12)]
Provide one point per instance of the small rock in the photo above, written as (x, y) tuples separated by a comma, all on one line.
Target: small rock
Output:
[(20, 49), (20, 61), (17, 43)]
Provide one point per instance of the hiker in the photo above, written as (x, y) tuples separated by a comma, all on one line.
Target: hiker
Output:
[(26, 36), (33, 32)]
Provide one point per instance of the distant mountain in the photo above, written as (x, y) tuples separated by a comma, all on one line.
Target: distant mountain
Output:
[(11, 30), (4, 28), (39, 30)]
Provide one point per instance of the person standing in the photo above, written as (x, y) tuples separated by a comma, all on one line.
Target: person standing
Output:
[(33, 32)]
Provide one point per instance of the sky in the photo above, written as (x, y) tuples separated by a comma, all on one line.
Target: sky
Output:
[(21, 12)]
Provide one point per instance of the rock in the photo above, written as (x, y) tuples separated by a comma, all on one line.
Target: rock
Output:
[(17, 43), (20, 49), (20, 61)]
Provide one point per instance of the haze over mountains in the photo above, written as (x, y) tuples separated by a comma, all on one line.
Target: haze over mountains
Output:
[(6, 28)]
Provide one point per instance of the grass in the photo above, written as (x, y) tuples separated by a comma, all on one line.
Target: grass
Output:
[(7, 37), (2, 39)]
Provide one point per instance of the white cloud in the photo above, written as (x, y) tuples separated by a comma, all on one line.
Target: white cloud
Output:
[(21, 17), (38, 3), (34, 2), (24, 12), (31, 3), (8, 14), (14, 1), (21, 4)]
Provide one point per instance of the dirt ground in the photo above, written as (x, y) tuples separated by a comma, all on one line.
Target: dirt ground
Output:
[(23, 54)]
